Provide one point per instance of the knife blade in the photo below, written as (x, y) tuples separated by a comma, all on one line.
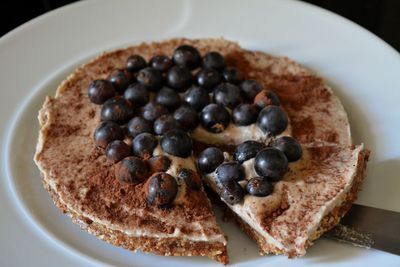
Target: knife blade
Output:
[(369, 227)]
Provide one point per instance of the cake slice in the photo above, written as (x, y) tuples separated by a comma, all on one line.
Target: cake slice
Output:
[(310, 199)]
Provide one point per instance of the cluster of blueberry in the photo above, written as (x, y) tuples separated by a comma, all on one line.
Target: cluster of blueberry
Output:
[(169, 96), (270, 164)]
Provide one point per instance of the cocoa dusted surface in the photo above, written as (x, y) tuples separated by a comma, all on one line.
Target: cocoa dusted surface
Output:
[(84, 181)]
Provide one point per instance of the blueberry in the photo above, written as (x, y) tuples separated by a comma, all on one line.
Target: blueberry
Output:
[(247, 150), (289, 146), (210, 159), (106, 132), (197, 97), (117, 150), (214, 60), (231, 192), (214, 118), (259, 186), (159, 164), (272, 120), (266, 98), (161, 189), (177, 143), (144, 144), (165, 123), (244, 114), (232, 75), (186, 117), (137, 94), (135, 63), (150, 78), (187, 56), (120, 78), (250, 88), (230, 171), (100, 90), (131, 170), (161, 63), (138, 125), (191, 178), (151, 111), (271, 163), (179, 78), (168, 97), (208, 78), (117, 109), (227, 94)]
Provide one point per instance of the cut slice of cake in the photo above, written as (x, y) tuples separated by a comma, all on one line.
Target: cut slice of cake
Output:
[(310, 199)]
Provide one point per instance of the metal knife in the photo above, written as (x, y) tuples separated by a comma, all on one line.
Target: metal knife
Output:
[(369, 228)]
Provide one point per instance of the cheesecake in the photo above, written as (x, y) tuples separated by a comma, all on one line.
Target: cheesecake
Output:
[(131, 140)]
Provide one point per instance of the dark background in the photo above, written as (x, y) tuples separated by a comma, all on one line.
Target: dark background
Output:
[(381, 17)]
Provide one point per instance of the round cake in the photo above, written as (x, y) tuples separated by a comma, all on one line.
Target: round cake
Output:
[(131, 140)]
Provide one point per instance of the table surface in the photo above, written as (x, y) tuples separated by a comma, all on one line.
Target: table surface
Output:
[(378, 16)]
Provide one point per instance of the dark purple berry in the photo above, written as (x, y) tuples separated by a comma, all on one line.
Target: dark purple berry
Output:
[(100, 90), (144, 144), (231, 192), (120, 79), (272, 120), (161, 189), (210, 159), (135, 63), (230, 171), (137, 94), (271, 163), (289, 146), (150, 78), (117, 109), (232, 75), (191, 178), (259, 186), (266, 98), (131, 170), (159, 164), (247, 150), (186, 117), (244, 114), (165, 123), (179, 78), (138, 125), (161, 63), (197, 97), (168, 98), (177, 143), (151, 111), (106, 132), (214, 60), (187, 56), (250, 88), (227, 94), (117, 150), (208, 78), (214, 118)]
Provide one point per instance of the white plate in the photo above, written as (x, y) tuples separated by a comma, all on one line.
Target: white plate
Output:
[(363, 70)]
